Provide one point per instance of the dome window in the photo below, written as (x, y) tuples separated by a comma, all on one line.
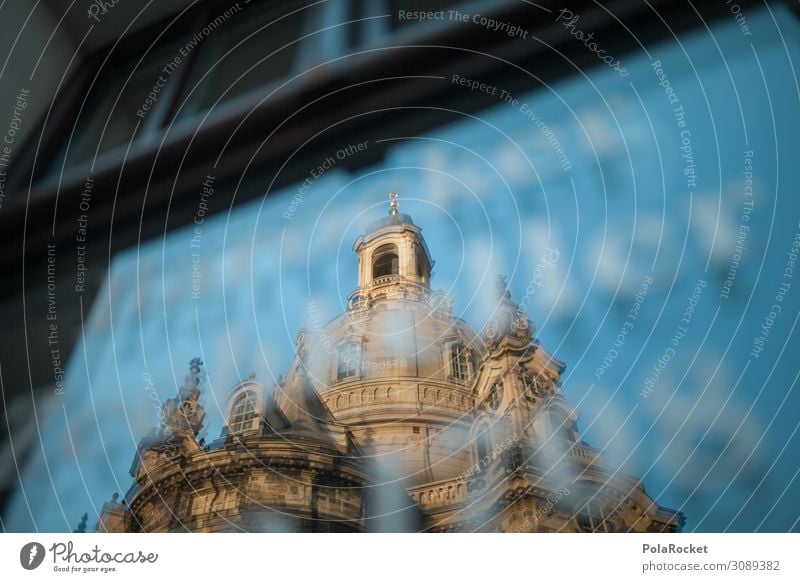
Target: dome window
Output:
[(495, 395), (385, 261), (243, 413), (421, 260), (460, 361), (592, 518), (348, 361)]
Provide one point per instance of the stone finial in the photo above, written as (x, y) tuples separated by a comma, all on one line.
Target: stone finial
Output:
[(501, 287), (301, 344), (82, 525), (191, 384), (509, 318), (184, 414)]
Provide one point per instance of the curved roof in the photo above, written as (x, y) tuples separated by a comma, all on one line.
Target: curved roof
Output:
[(390, 220)]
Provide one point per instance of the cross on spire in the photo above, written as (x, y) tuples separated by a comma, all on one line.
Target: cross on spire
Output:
[(393, 196)]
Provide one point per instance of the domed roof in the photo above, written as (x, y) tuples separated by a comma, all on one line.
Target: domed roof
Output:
[(390, 220), (397, 339)]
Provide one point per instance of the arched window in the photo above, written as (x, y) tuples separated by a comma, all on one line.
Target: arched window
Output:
[(535, 387), (593, 518), (349, 356), (385, 261), (422, 263), (243, 412), (460, 358), (483, 447), (495, 395)]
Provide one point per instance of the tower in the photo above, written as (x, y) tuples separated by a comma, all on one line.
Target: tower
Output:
[(393, 259), (396, 367)]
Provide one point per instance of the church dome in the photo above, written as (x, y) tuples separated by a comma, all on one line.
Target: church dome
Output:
[(394, 416), (394, 339), (397, 367)]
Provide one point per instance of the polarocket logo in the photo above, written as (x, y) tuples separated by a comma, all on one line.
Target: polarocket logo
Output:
[(31, 555)]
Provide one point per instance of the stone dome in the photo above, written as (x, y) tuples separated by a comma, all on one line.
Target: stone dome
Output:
[(396, 339), (397, 367), (394, 416)]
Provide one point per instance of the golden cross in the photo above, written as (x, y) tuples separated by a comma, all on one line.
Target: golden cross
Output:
[(393, 196)]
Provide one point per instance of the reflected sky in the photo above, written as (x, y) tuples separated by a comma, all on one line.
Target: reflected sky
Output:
[(633, 221)]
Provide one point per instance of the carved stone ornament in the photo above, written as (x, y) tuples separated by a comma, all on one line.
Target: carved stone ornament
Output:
[(442, 303), (301, 344), (491, 332)]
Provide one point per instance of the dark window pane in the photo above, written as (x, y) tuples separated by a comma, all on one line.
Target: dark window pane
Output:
[(109, 116), (348, 361), (242, 412), (386, 265), (250, 50)]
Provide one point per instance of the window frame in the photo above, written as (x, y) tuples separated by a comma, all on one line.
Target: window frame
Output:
[(592, 518), (352, 346), (37, 157), (242, 422), (463, 360), (382, 252)]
